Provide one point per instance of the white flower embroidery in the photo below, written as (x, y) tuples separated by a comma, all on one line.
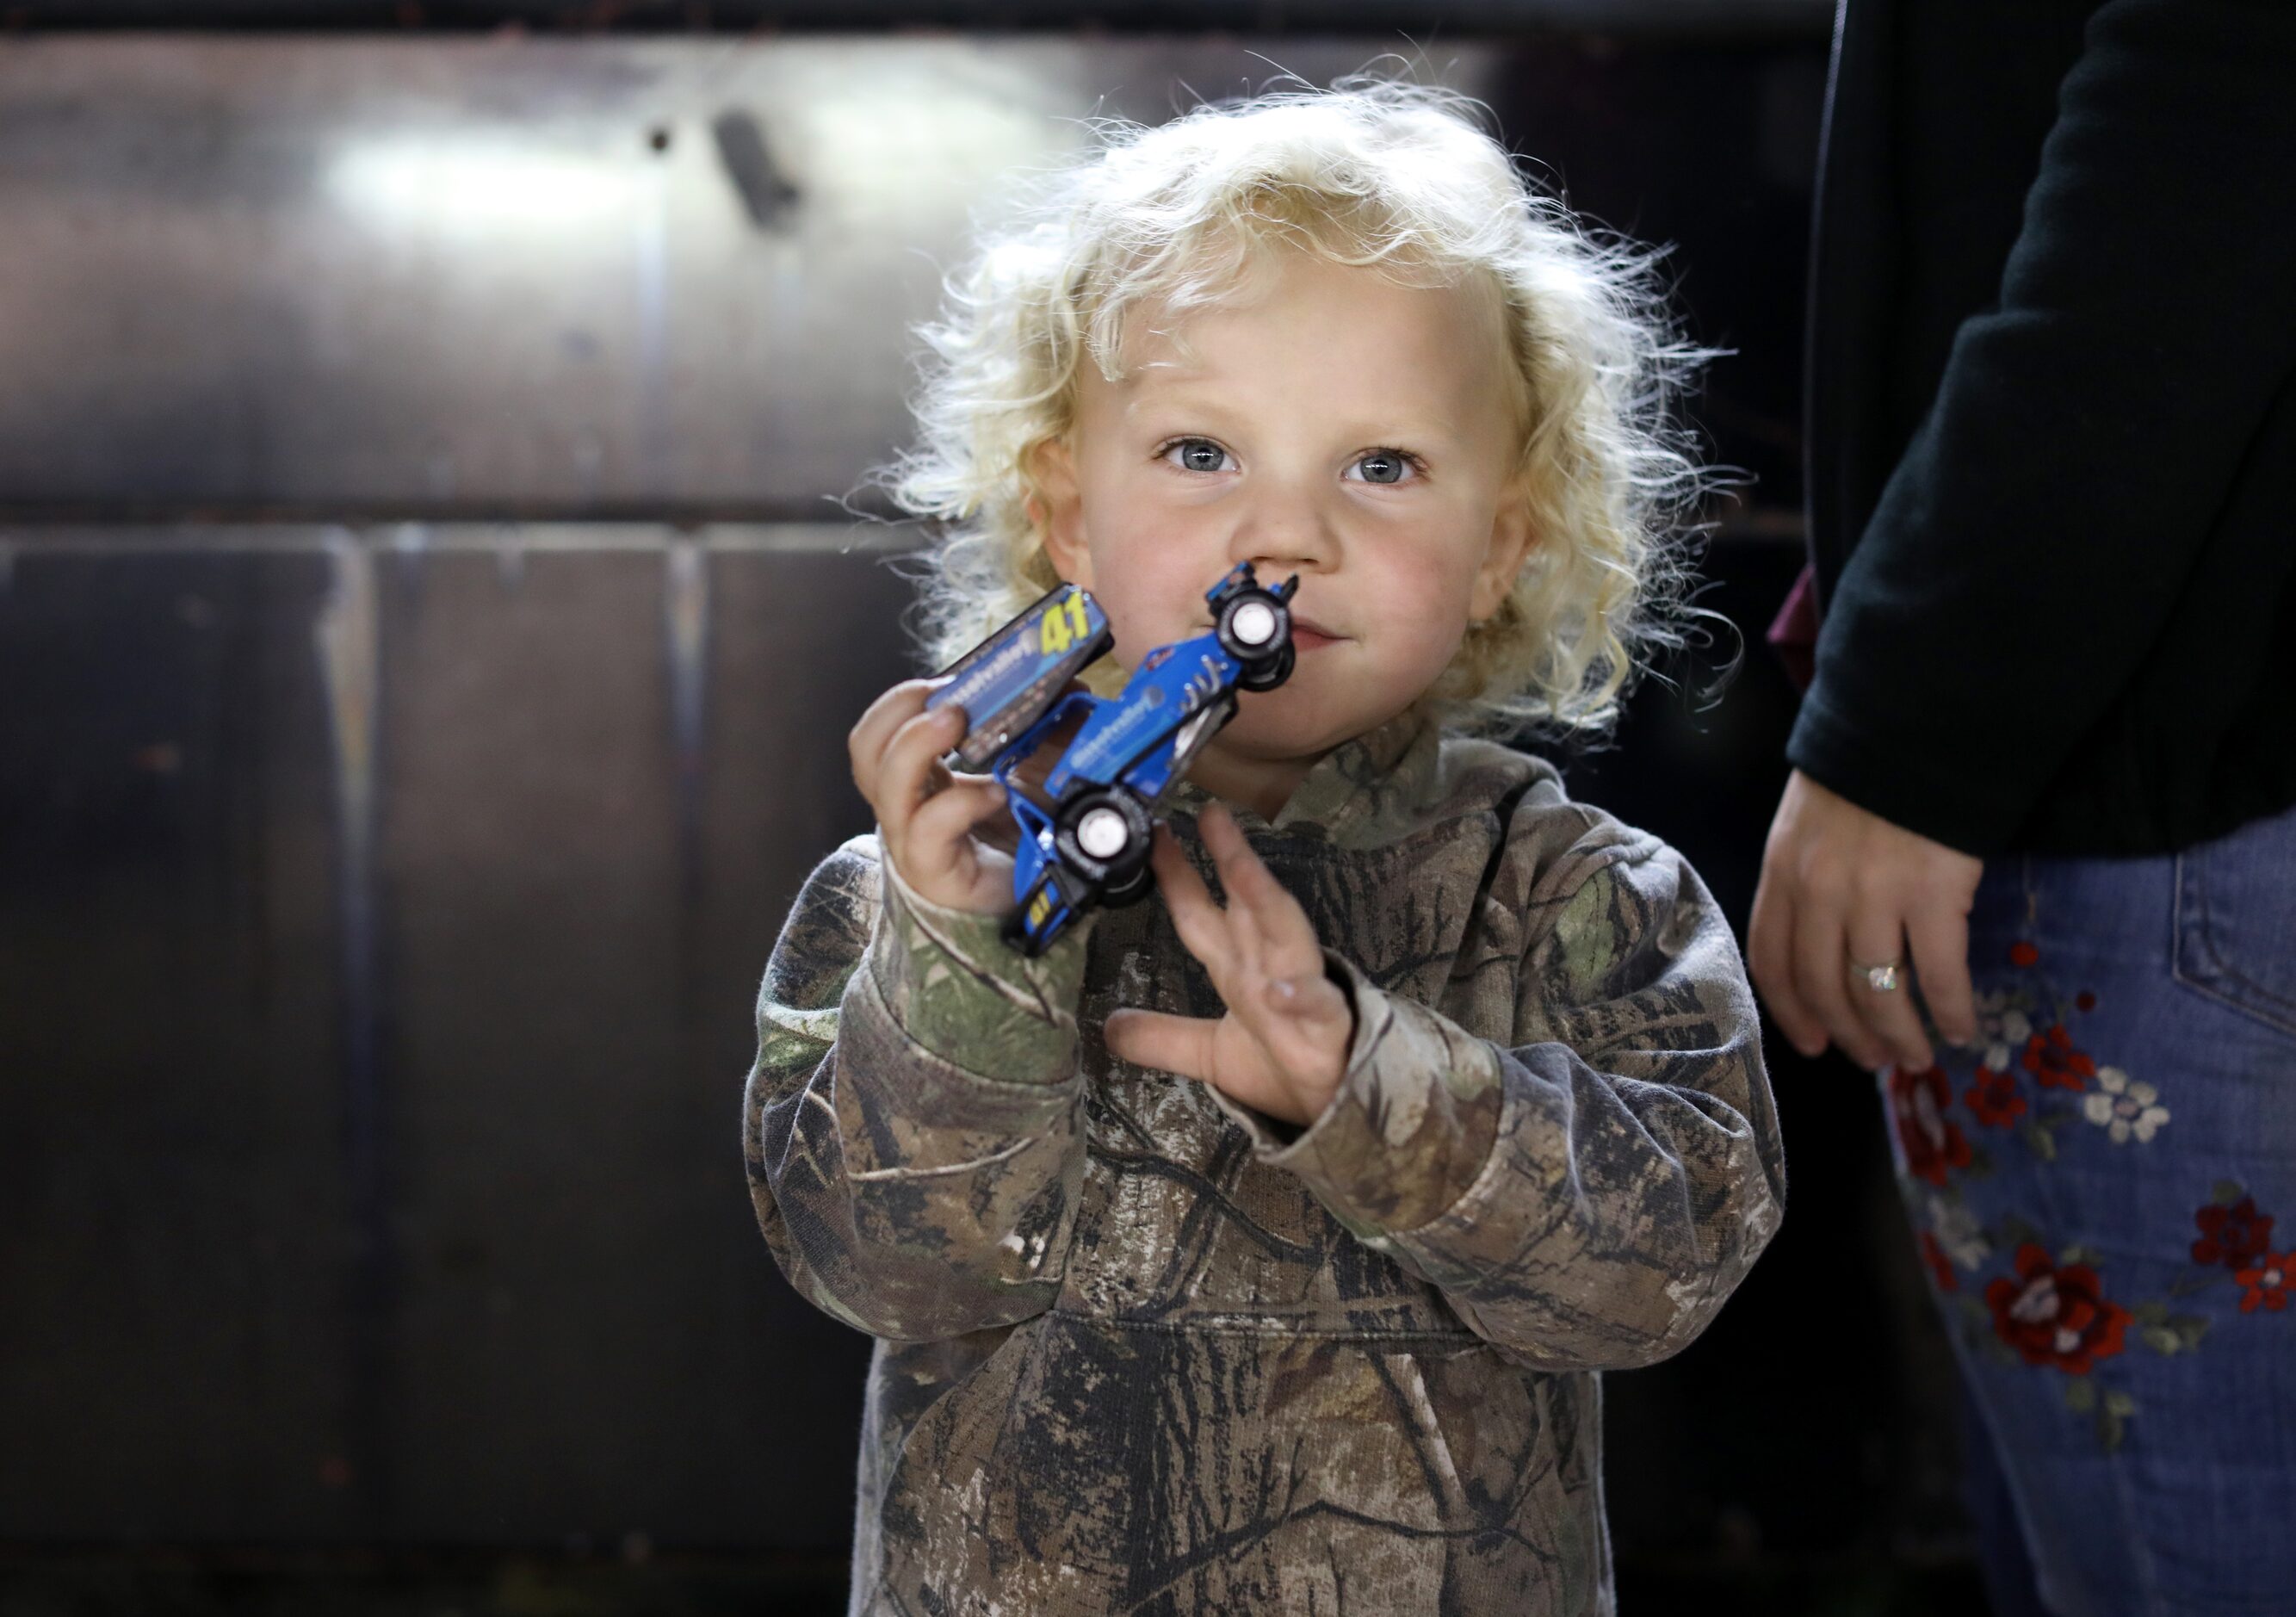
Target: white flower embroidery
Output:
[(1959, 1233), (2005, 1028), (2121, 1108)]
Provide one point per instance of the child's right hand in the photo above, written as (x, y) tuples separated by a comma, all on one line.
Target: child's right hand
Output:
[(925, 813)]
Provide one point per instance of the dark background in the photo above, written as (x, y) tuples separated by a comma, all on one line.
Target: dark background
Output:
[(426, 639)]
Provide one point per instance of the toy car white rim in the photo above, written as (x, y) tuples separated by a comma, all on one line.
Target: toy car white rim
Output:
[(1102, 833), (1254, 623)]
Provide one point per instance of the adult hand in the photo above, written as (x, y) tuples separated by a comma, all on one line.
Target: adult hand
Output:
[(1838, 885), (925, 813), (1283, 1047)]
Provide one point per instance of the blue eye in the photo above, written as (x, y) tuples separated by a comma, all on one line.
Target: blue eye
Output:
[(1384, 466), (1197, 455)]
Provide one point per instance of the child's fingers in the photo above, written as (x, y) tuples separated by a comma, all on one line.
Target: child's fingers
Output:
[(1201, 923), (1188, 1046), (1270, 924), (1306, 1023), (1168, 1043), (1225, 842), (948, 818), (898, 721), (911, 771), (865, 744)]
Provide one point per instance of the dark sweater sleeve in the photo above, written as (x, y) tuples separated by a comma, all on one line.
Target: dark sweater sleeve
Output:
[(2030, 545)]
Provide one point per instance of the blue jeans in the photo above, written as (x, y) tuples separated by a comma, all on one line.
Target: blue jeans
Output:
[(2105, 1194)]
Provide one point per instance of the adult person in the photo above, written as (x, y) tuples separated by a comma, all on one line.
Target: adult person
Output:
[(2043, 777)]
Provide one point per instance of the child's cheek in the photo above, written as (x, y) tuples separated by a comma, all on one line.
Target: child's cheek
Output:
[(1150, 602)]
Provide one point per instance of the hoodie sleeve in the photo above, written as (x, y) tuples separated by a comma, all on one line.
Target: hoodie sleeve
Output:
[(1588, 1195), (911, 1125), (2073, 466)]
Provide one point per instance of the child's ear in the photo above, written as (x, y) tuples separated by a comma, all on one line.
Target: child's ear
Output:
[(1512, 537), (1058, 504)]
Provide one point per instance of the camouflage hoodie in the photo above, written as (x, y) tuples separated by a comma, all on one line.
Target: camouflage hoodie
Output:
[(1144, 1349)]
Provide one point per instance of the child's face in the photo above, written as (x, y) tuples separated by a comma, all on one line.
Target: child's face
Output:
[(1358, 432)]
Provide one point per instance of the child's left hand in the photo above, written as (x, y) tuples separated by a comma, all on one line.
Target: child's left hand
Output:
[(1283, 1047)]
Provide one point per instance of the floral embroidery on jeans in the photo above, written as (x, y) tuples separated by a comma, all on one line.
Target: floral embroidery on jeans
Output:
[(1994, 1099), (1933, 1144), (1956, 1230), (2053, 1061), (2231, 1232), (2003, 1026), (2267, 1285), (2124, 1109), (2055, 1314), (1941, 1266)]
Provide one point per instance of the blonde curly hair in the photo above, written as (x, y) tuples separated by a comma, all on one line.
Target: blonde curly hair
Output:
[(1372, 172)]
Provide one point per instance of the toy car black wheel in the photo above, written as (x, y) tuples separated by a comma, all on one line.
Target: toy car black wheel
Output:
[(1253, 625), (1103, 836), (1268, 674), (1123, 895)]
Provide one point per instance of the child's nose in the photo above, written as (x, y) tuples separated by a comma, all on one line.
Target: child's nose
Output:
[(1289, 534)]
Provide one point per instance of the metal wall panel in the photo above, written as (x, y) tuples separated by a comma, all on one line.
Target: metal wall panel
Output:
[(533, 275), (379, 915), (1697, 17), (650, 277), (172, 1181)]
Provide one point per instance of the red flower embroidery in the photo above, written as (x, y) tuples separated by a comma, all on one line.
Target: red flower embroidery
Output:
[(2022, 954), (2054, 1316), (2232, 1236), (1941, 1266), (2267, 1285), (2051, 1058), (1994, 1098), (2085, 1000), (1932, 1145)]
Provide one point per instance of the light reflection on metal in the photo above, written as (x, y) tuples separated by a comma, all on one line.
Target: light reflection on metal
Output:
[(543, 277), (685, 636), (478, 187), (347, 638)]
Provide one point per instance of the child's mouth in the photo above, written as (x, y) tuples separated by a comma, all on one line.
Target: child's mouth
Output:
[(1305, 636)]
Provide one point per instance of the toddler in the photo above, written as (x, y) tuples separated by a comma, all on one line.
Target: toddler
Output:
[(1259, 1252)]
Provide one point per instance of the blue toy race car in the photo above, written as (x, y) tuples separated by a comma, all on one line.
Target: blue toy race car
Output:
[(1088, 844), (1006, 682)]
